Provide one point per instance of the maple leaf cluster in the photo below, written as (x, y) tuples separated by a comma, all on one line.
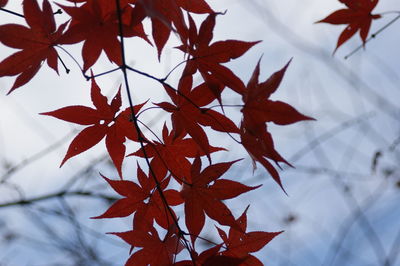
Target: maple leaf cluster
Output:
[(176, 177)]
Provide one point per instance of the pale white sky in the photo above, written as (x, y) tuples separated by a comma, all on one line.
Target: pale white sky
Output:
[(351, 100)]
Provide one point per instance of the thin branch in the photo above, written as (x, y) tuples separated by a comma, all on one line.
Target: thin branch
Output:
[(55, 196), (59, 11), (394, 251), (101, 74), (149, 129), (33, 158), (172, 70), (329, 134), (373, 35), (72, 57), (138, 130), (357, 214), (144, 110)]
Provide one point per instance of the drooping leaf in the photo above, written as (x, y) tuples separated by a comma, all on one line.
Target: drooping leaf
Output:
[(188, 112), (258, 109)]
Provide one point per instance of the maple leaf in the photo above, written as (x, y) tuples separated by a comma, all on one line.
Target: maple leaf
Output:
[(240, 244), (143, 200), (103, 121), (36, 41), (171, 154), (258, 109), (207, 58), (358, 17), (155, 251), (165, 14), (133, 193), (96, 21), (202, 197), (154, 208), (187, 112)]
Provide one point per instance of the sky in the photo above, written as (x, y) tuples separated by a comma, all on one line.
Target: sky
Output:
[(343, 194)]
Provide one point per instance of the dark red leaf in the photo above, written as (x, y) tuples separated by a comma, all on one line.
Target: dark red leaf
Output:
[(357, 16), (105, 121), (36, 41), (201, 198), (257, 111)]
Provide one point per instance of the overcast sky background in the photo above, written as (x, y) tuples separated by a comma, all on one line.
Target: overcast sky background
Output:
[(340, 210)]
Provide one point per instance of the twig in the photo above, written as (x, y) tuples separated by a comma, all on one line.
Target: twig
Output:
[(394, 251), (101, 74), (72, 57), (139, 132), (373, 36), (56, 195), (354, 216), (33, 158)]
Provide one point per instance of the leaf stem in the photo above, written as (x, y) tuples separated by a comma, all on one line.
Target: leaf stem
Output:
[(59, 11), (172, 70), (12, 12), (102, 74), (148, 108), (149, 129), (72, 57), (67, 70)]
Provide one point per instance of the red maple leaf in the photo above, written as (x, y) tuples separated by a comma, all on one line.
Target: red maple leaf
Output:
[(207, 58), (36, 41), (203, 197), (188, 112), (143, 200), (155, 251), (155, 208), (240, 244), (103, 121), (166, 15), (97, 21), (171, 154), (258, 109), (358, 17)]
